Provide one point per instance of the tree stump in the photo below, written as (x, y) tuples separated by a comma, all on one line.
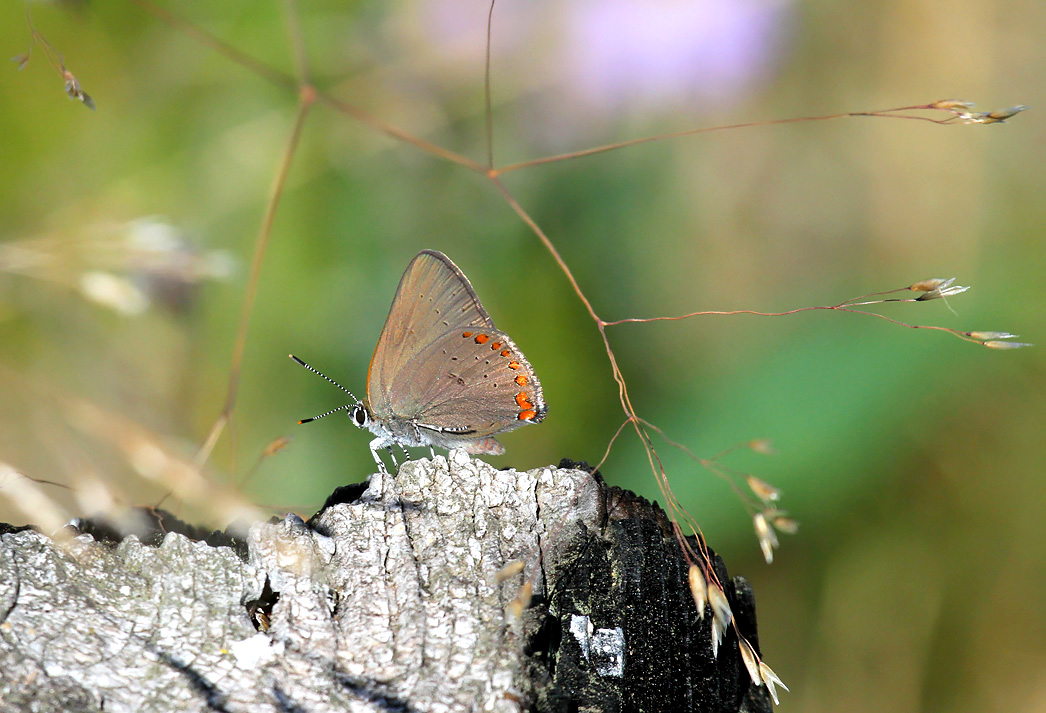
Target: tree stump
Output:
[(394, 597)]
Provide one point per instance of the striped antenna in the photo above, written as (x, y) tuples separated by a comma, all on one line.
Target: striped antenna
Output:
[(340, 408)]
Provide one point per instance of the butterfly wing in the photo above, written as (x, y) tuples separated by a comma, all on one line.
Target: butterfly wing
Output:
[(433, 297), (467, 385)]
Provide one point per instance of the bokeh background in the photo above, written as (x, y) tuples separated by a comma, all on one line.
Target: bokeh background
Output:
[(913, 460)]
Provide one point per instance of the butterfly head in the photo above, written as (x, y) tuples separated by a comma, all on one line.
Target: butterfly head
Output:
[(360, 415)]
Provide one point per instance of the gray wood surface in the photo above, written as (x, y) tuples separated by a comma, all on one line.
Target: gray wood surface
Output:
[(391, 602)]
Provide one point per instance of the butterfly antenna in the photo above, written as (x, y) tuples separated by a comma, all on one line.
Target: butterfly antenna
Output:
[(320, 373), (314, 418)]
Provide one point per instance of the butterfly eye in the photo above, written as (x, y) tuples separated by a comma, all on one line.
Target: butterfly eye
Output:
[(359, 416)]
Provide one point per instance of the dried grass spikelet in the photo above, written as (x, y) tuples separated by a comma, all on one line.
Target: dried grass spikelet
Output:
[(952, 104), (509, 571), (994, 344), (722, 615), (75, 91), (763, 446), (763, 490), (998, 116), (748, 655), (785, 524), (934, 283), (963, 111), (720, 605), (698, 589), (770, 679), (937, 288), (759, 672), (767, 537), (996, 340), (517, 606), (276, 446), (718, 632), (989, 336)]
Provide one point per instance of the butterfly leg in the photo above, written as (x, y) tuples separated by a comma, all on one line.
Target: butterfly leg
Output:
[(381, 464), (374, 446), (406, 454)]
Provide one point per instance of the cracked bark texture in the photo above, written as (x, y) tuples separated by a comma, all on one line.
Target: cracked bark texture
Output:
[(388, 599)]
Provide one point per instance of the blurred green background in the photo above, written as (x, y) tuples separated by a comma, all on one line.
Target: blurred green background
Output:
[(912, 460)]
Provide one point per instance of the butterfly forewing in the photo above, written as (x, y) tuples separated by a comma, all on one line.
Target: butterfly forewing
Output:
[(433, 298)]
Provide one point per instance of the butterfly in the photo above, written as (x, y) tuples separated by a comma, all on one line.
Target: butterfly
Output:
[(442, 374)]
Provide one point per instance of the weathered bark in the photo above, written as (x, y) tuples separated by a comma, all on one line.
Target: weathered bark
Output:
[(386, 600)]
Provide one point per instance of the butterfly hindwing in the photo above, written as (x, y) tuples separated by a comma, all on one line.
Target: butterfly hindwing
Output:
[(470, 382)]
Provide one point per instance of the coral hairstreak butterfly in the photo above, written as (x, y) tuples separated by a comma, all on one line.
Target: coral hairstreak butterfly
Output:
[(442, 373)]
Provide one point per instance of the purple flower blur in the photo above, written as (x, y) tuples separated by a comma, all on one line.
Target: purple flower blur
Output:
[(608, 54), (671, 51)]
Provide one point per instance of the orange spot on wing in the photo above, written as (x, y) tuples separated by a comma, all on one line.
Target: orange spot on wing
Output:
[(513, 365), (521, 401), (505, 352), (527, 415), (481, 338), (494, 346), (521, 380), (466, 334)]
